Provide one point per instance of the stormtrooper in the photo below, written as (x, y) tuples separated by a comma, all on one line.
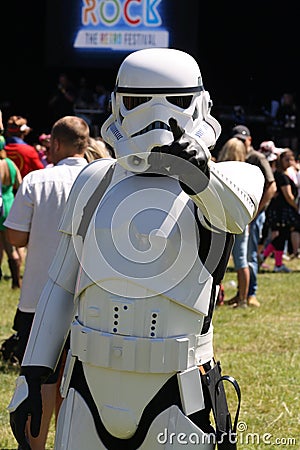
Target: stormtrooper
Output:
[(145, 243)]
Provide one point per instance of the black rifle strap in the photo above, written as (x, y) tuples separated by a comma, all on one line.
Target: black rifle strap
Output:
[(94, 200), (238, 393), (225, 432)]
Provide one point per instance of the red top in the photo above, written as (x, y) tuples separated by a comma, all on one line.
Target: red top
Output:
[(24, 156)]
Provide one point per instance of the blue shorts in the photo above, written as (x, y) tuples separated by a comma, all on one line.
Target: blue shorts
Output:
[(240, 250)]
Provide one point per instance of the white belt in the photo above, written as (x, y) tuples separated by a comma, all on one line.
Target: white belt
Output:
[(129, 353)]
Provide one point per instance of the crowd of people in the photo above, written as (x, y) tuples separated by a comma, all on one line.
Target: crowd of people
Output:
[(37, 179), (91, 102), (275, 231)]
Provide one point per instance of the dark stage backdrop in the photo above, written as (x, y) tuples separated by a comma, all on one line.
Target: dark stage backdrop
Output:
[(99, 34), (247, 51)]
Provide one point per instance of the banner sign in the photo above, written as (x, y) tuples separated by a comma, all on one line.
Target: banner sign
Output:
[(100, 33), (124, 25)]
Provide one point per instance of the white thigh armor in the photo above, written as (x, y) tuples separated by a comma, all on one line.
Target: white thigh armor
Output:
[(170, 430)]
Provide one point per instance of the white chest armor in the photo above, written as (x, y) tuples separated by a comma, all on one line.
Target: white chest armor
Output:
[(140, 255)]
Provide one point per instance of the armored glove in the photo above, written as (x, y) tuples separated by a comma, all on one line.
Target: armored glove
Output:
[(27, 400), (185, 158)]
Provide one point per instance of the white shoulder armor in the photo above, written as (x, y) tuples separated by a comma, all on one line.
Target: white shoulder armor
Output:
[(231, 199)]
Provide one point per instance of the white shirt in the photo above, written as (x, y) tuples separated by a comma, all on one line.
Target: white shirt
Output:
[(37, 209)]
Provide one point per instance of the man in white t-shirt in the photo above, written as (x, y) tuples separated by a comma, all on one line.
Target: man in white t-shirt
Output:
[(33, 222)]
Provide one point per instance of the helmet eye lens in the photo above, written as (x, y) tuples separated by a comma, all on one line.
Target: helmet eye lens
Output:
[(182, 101), (133, 102)]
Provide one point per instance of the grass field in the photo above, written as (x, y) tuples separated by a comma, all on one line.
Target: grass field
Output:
[(259, 347)]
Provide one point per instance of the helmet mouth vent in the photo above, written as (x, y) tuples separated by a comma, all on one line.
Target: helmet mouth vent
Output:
[(156, 125)]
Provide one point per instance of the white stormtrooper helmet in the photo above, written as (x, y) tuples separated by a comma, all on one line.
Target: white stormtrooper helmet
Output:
[(152, 86)]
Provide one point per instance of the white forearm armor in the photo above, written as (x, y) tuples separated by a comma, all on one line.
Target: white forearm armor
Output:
[(231, 199)]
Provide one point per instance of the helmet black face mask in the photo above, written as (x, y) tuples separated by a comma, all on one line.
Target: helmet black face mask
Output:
[(154, 85)]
